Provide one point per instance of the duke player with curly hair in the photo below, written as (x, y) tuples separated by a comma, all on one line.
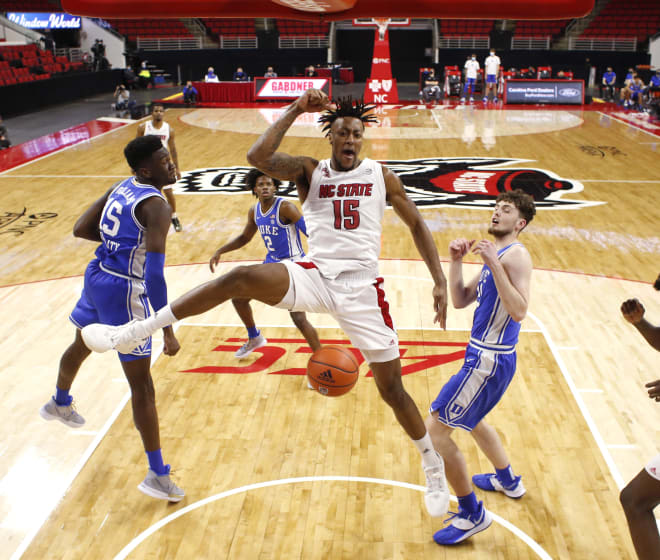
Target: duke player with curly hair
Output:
[(343, 199)]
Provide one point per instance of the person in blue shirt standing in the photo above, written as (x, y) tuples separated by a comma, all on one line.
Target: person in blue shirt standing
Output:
[(279, 222), (609, 83), (131, 221), (501, 291)]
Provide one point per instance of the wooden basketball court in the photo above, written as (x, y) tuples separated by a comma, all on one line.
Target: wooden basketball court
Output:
[(272, 470)]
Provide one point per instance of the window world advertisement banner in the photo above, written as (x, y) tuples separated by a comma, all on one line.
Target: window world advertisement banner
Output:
[(44, 20), (561, 92)]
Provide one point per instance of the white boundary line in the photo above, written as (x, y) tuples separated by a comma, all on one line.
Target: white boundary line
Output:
[(619, 119), (27, 540), (64, 148), (614, 471), (130, 547)]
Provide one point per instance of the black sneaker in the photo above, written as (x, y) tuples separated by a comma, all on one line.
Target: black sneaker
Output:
[(177, 224)]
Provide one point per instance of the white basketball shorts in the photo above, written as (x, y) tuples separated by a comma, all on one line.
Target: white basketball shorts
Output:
[(653, 467), (356, 300)]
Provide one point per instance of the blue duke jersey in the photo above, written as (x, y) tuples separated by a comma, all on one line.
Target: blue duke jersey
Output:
[(492, 326), (123, 251), (282, 240), (114, 291), (490, 360)]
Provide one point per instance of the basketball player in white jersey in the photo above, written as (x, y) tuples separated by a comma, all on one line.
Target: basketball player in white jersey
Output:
[(642, 494), (343, 199), (501, 291), (492, 66), (158, 127)]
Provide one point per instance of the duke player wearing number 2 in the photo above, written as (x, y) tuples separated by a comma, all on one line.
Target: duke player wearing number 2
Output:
[(343, 199), (131, 221), (279, 222), (501, 291)]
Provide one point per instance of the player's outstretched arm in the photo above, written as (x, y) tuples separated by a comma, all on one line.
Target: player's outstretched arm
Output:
[(237, 242), (264, 155), (87, 226), (155, 215), (171, 144), (140, 130), (633, 312), (407, 211)]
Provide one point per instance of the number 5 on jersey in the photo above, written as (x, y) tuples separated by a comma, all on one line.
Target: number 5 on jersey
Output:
[(347, 215)]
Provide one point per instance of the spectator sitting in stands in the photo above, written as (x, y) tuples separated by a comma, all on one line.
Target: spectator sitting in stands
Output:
[(609, 82), (122, 96), (632, 94), (310, 72), (190, 93), (629, 77), (430, 87), (654, 83), (240, 76), (4, 138), (270, 73), (210, 75)]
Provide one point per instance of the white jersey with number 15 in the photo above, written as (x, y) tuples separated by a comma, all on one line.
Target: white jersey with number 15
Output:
[(344, 213)]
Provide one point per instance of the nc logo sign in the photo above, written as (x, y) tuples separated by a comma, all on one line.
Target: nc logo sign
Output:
[(381, 91)]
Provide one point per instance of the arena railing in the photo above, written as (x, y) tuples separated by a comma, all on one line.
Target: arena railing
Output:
[(303, 42), (602, 44), (169, 43), (464, 42), (530, 43)]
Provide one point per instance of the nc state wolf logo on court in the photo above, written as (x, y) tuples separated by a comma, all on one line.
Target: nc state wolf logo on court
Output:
[(477, 181), (429, 182)]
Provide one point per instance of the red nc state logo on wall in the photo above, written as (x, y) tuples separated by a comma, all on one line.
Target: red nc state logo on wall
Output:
[(381, 88), (413, 360)]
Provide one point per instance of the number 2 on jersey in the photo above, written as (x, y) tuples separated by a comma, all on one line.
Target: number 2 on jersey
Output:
[(347, 215)]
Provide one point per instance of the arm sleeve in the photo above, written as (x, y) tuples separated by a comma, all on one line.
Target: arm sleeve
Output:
[(300, 225), (155, 280)]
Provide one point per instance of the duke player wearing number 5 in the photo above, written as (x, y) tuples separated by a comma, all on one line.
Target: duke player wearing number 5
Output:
[(279, 222), (343, 200), (131, 221), (501, 291)]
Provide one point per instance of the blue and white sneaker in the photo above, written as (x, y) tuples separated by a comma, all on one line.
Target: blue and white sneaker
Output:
[(463, 525), (491, 483)]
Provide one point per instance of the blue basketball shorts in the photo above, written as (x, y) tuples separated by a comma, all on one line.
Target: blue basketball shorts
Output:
[(491, 79), (469, 84), (112, 300), (473, 392)]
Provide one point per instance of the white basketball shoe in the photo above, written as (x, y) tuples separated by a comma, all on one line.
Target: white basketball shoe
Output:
[(436, 496), (124, 338)]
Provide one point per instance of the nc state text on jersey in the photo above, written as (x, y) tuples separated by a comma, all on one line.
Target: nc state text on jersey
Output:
[(351, 189)]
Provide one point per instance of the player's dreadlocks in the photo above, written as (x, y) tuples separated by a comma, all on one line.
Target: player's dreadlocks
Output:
[(346, 107)]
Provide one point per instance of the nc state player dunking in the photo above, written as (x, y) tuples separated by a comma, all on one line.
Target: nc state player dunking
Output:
[(343, 200)]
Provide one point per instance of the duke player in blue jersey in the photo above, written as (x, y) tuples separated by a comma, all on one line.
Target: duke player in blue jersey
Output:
[(131, 221), (501, 291), (279, 222)]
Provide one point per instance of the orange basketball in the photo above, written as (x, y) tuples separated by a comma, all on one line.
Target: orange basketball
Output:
[(332, 370)]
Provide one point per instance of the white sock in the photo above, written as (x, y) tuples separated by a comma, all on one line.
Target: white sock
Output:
[(426, 450), (161, 319)]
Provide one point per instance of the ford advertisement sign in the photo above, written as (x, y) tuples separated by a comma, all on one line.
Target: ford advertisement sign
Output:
[(561, 92)]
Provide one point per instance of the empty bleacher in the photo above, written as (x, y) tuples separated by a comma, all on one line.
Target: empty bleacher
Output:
[(465, 27), (298, 28), (552, 28), (134, 28), (28, 63), (229, 27), (626, 18)]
